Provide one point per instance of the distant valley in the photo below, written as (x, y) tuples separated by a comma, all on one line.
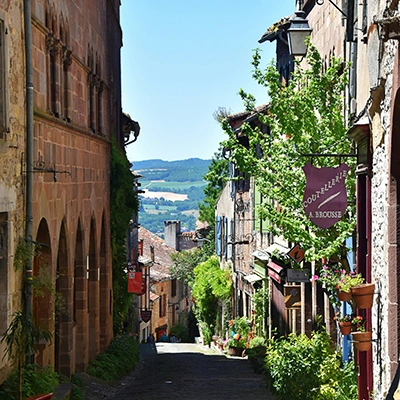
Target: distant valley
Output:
[(173, 190)]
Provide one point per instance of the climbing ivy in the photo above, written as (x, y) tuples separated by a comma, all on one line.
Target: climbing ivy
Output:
[(124, 204)]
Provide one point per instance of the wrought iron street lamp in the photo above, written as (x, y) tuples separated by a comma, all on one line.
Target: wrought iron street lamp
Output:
[(297, 33)]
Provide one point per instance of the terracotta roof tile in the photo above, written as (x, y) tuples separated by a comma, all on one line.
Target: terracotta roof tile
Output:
[(159, 271)]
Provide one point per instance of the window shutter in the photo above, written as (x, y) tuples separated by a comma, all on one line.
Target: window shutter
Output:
[(218, 236), (225, 237), (257, 202)]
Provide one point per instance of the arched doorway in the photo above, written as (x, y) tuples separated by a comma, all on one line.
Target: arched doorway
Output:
[(63, 331), (80, 306), (43, 299), (105, 292), (93, 294)]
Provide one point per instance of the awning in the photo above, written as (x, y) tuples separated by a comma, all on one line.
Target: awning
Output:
[(153, 296), (274, 271), (276, 267), (277, 248), (252, 278), (261, 255)]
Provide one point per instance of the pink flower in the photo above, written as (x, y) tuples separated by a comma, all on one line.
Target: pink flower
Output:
[(315, 277)]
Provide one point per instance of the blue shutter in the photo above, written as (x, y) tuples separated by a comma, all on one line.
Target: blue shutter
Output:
[(218, 236), (225, 236)]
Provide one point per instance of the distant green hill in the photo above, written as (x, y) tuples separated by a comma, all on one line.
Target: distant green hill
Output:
[(190, 170), (183, 177)]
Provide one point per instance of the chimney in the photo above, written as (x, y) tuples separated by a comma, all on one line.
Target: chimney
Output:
[(171, 231), (152, 253)]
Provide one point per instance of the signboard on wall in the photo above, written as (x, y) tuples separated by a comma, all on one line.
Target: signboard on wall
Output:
[(145, 315), (298, 275), (292, 295), (325, 196)]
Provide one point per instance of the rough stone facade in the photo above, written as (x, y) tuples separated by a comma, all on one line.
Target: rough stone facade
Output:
[(77, 112), (12, 141)]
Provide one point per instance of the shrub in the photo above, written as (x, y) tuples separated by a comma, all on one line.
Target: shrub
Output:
[(35, 380), (119, 360), (180, 331), (301, 368)]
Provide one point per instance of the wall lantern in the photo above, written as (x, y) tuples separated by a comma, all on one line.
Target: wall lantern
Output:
[(297, 33)]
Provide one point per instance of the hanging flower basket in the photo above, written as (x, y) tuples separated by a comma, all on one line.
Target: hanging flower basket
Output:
[(363, 295), (343, 296), (345, 327), (362, 340)]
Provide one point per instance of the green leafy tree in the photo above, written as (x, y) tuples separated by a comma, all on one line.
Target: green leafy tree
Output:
[(216, 177), (305, 116), (212, 286), (184, 264)]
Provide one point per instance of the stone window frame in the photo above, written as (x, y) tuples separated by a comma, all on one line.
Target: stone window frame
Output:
[(59, 60), (96, 88)]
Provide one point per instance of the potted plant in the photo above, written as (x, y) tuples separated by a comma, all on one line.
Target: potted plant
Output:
[(362, 339), (344, 322), (363, 295), (236, 346), (338, 282), (239, 329), (347, 281)]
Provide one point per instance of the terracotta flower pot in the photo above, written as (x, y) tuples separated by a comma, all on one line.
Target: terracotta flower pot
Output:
[(235, 351), (343, 296), (362, 340), (345, 327), (363, 295)]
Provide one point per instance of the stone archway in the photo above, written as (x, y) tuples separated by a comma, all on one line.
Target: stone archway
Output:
[(63, 336), (80, 306), (93, 294), (105, 292), (43, 300)]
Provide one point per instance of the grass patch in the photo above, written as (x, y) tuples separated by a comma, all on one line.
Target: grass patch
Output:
[(171, 186)]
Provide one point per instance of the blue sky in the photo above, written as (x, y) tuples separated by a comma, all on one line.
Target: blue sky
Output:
[(183, 59)]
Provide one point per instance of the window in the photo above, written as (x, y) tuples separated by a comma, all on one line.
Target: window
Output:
[(163, 306), (173, 287), (3, 85)]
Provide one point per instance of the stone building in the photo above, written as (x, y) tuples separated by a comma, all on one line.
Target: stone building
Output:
[(12, 147), (367, 34), (76, 115), (376, 133), (167, 298)]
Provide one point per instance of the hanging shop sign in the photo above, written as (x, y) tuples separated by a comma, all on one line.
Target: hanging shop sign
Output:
[(145, 315), (298, 275), (325, 196), (292, 295), (136, 283), (296, 254)]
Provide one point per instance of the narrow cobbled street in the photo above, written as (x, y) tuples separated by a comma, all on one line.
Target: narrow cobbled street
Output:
[(191, 372)]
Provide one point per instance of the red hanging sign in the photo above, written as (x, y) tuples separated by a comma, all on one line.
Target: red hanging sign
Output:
[(135, 282), (325, 196)]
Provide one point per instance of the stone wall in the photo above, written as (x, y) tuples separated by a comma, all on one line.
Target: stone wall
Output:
[(12, 177)]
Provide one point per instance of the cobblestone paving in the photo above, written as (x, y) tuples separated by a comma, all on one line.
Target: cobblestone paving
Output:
[(181, 371)]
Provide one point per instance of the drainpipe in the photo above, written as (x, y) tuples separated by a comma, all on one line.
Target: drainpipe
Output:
[(29, 159)]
